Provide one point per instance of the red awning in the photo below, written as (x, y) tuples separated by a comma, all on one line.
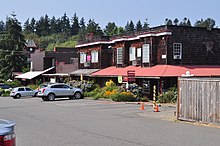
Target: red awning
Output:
[(160, 71)]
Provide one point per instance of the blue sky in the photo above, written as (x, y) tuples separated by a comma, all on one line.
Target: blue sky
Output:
[(118, 11)]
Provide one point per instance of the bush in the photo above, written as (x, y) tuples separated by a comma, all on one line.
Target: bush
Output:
[(169, 97), (33, 86), (6, 93), (123, 96)]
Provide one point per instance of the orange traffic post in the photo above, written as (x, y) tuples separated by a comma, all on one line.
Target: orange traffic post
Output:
[(142, 106), (156, 109)]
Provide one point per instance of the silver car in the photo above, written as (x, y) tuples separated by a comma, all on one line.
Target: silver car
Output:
[(19, 92), (58, 90)]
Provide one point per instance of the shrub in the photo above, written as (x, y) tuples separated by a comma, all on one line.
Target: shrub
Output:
[(123, 96), (33, 86), (6, 93), (169, 97)]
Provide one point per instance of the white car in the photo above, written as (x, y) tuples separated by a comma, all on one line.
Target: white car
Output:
[(19, 92)]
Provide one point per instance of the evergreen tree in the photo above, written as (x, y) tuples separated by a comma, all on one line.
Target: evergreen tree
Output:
[(43, 26), (175, 21), (110, 29), (2, 26), (33, 25), (188, 23), (65, 24), (93, 27), (82, 30), (146, 25), (129, 27), (208, 23), (168, 22), (53, 26), (75, 25), (27, 26), (184, 22), (138, 26), (11, 46)]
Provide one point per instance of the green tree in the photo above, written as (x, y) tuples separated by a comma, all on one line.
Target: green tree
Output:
[(27, 26), (208, 23), (110, 29), (2, 26), (168, 22), (183, 22), (53, 26), (65, 24), (146, 25), (175, 21), (138, 26), (33, 25), (75, 25), (82, 30), (188, 23), (129, 27), (93, 27), (43, 26), (12, 43)]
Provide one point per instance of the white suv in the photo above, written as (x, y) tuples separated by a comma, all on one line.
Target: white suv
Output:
[(58, 90)]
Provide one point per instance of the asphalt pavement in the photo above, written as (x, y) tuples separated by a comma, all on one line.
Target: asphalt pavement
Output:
[(87, 122)]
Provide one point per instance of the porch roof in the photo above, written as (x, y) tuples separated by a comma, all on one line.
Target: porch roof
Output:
[(32, 74), (160, 71), (85, 72)]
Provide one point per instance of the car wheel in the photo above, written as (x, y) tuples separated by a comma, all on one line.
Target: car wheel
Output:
[(35, 95), (44, 98), (77, 95), (17, 96), (51, 97)]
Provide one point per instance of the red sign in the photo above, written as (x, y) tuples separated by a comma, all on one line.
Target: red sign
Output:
[(131, 75)]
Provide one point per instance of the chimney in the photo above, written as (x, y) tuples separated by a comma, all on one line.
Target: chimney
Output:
[(31, 68)]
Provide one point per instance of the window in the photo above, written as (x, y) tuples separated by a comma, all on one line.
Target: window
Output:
[(82, 57), (72, 60), (138, 52), (146, 53), (95, 56), (119, 56), (57, 86), (28, 89), (132, 53), (20, 89), (177, 51)]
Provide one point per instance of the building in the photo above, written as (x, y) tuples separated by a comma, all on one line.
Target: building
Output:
[(61, 62), (177, 49)]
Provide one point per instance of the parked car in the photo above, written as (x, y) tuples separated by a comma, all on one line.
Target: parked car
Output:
[(5, 86), (58, 90), (19, 92)]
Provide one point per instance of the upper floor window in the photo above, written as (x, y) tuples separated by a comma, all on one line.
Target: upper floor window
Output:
[(146, 53), (119, 56), (177, 51), (82, 57), (132, 53), (95, 56)]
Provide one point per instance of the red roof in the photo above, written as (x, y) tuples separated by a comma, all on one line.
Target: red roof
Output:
[(160, 71)]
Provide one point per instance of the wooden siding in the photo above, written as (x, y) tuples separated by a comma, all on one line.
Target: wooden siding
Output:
[(199, 100), (200, 46), (104, 56)]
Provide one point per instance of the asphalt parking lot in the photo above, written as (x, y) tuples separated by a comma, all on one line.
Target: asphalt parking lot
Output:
[(96, 123)]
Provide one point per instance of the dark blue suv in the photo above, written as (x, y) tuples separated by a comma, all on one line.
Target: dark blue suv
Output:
[(4, 86)]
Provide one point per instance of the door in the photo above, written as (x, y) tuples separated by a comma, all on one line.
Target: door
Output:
[(29, 92)]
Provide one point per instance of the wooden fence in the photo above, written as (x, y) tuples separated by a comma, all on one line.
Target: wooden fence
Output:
[(199, 99)]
